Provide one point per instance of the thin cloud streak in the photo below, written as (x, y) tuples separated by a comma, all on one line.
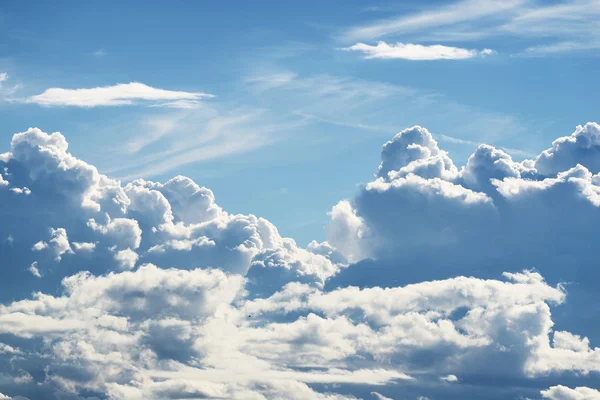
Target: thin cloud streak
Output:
[(117, 95), (415, 52), (462, 11)]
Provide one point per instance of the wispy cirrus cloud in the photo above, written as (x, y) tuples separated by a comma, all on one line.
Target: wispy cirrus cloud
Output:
[(415, 52), (458, 12), (99, 53), (4, 90), (122, 94), (545, 27)]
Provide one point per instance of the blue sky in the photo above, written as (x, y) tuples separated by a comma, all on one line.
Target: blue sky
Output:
[(297, 200), (269, 62)]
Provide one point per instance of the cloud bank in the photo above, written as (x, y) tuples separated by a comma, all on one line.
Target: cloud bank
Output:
[(435, 282)]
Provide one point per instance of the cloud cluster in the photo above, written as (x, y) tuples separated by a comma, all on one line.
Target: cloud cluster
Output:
[(425, 288)]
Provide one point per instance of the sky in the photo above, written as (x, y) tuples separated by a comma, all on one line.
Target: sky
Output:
[(298, 200)]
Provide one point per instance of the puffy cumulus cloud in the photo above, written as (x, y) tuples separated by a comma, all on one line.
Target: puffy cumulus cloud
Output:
[(170, 333), (159, 333), (102, 225), (460, 323), (582, 147), (422, 218), (58, 244), (152, 291), (421, 210), (565, 393), (415, 151)]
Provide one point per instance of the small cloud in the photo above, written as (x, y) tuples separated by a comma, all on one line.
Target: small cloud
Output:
[(99, 53), (449, 378), (39, 246), (415, 52), (126, 258), (379, 396), (24, 190), (3, 77), (34, 270), (116, 95), (84, 246)]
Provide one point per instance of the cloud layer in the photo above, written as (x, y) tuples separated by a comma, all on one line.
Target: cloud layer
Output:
[(435, 282)]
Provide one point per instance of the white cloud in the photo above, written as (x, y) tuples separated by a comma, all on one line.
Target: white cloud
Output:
[(461, 11), (565, 393), (181, 299), (449, 378), (409, 51), (83, 246), (564, 26), (379, 396), (117, 95), (34, 270), (126, 258)]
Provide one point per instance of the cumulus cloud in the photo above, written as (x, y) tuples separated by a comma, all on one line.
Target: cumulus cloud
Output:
[(565, 393), (422, 209), (415, 52), (116, 95), (432, 274), (582, 147)]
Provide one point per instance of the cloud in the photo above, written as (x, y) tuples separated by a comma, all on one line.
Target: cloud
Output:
[(33, 269), (545, 28), (449, 378), (421, 210), (116, 95), (7, 91), (564, 393), (194, 136), (151, 290), (462, 217), (582, 147), (379, 396), (415, 52), (454, 13)]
